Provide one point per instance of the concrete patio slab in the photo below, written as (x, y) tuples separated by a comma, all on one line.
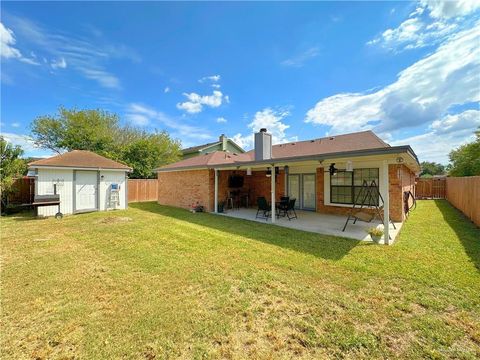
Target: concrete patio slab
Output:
[(319, 223)]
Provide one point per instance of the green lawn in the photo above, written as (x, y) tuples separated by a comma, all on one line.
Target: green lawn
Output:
[(158, 282)]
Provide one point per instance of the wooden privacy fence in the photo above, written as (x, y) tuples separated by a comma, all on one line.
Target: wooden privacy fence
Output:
[(142, 190), (23, 191), (430, 188), (464, 194)]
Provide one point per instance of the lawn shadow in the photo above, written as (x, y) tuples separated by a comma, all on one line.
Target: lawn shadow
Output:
[(322, 246), (466, 230), (24, 215)]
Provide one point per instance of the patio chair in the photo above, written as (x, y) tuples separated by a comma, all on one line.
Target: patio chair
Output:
[(290, 210), (263, 209), (283, 205)]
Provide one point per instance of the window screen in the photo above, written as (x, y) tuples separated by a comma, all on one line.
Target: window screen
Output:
[(345, 186)]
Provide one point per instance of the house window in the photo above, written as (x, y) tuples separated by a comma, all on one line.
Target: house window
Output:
[(346, 185)]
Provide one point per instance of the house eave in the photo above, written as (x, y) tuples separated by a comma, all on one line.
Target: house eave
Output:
[(392, 150), (60, 167)]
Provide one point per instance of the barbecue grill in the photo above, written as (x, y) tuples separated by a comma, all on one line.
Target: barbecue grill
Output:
[(48, 200)]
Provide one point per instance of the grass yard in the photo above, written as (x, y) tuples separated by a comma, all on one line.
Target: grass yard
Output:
[(158, 282)]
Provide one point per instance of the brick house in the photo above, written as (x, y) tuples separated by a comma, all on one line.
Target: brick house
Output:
[(324, 175)]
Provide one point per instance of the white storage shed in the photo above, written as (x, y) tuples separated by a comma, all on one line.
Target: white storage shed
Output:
[(85, 182)]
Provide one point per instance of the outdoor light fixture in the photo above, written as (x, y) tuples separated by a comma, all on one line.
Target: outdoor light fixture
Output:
[(332, 169), (269, 171), (249, 171), (286, 168)]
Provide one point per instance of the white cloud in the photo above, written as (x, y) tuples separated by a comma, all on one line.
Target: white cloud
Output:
[(467, 120), (59, 64), (166, 90), (221, 120), (414, 33), (216, 86), (196, 102), (449, 9), (300, 59), (270, 119), (7, 49), (422, 93), (7, 40), (86, 55), (444, 135), (212, 78), (102, 77), (27, 144), (16, 124), (142, 115), (430, 24), (137, 119)]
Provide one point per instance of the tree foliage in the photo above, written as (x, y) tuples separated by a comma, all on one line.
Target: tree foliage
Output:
[(100, 131), (465, 161), (12, 165), (148, 152), (430, 168)]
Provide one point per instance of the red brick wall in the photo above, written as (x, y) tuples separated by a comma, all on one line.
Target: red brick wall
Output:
[(401, 179), (184, 188), (257, 184), (261, 185)]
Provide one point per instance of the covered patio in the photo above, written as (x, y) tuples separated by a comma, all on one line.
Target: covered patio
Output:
[(311, 221), (270, 181)]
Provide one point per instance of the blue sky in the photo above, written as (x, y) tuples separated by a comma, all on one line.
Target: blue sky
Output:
[(407, 70)]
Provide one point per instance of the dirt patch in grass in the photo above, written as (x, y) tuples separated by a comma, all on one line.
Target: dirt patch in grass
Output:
[(114, 220)]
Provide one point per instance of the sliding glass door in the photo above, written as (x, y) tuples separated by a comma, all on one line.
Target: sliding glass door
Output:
[(302, 188), (308, 191), (294, 188)]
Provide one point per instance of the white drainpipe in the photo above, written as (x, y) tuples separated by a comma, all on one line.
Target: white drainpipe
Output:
[(273, 193), (216, 192), (386, 204)]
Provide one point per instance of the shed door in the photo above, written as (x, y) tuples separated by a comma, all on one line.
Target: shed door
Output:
[(86, 190)]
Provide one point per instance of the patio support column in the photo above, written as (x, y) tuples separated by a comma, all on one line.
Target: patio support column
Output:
[(215, 199), (273, 193), (386, 204)]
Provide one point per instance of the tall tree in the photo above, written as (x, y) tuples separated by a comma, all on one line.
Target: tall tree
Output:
[(100, 131), (430, 168), (12, 165), (77, 130), (149, 152), (465, 161)]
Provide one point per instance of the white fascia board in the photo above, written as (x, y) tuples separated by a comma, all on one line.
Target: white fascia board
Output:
[(43, 167)]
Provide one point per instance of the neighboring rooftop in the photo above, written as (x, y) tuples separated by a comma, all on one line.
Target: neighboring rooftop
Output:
[(223, 144), (199, 147), (360, 141), (80, 159)]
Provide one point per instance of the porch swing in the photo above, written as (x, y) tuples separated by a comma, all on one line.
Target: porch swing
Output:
[(368, 195)]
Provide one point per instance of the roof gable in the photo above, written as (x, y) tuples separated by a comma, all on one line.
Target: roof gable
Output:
[(202, 147)]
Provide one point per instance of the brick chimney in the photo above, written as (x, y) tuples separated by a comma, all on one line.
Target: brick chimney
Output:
[(263, 145)]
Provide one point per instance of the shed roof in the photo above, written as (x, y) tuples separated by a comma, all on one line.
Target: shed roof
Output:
[(80, 159)]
